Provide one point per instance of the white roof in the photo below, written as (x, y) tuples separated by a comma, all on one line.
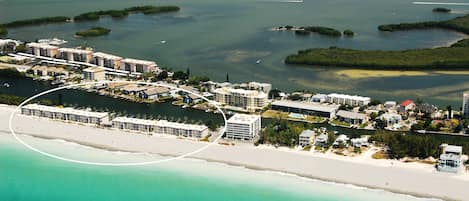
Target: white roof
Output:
[(307, 106), (6, 41), (94, 69), (41, 45), (66, 110), (160, 123), (353, 97), (452, 148), (73, 50), (107, 56), (243, 118), (351, 115), (137, 61), (244, 92), (307, 133)]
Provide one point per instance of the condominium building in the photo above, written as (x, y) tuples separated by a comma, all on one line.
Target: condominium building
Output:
[(264, 87), (160, 127), (344, 99), (65, 114), (8, 46), (107, 60), (243, 126), (94, 74), (140, 66), (450, 159), (41, 49), (78, 55), (250, 100), (465, 103)]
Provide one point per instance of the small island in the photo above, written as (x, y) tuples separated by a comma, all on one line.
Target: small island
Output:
[(96, 15), (441, 10), (454, 57), (93, 32), (460, 24), (348, 33), (36, 21), (310, 29), (146, 10)]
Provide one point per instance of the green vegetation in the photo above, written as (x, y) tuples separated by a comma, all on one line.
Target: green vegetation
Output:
[(323, 31), (460, 24), (461, 43), (36, 21), (441, 10), (282, 133), (149, 10), (146, 10), (348, 32), (445, 57), (3, 31), (16, 100), (195, 80), (412, 145), (94, 31)]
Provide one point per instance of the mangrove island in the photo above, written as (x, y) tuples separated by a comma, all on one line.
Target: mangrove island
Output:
[(454, 57), (94, 31), (460, 24)]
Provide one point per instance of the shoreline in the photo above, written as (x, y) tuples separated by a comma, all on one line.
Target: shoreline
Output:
[(239, 165), (376, 175)]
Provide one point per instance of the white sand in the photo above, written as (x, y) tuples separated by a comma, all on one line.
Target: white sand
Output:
[(414, 178)]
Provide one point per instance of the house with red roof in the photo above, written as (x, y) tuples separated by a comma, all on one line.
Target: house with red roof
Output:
[(406, 106)]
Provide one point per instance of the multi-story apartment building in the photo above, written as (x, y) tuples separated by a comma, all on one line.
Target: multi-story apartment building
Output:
[(107, 60), (243, 126), (40, 49), (250, 100)]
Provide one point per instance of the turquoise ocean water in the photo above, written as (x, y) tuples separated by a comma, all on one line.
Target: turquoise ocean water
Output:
[(28, 176)]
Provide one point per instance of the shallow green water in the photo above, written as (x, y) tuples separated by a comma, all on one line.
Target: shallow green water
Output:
[(215, 37), (28, 176)]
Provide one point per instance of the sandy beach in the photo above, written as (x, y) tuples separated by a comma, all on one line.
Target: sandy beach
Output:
[(408, 178)]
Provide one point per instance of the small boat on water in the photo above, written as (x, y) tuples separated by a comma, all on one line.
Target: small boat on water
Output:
[(258, 61), (163, 42), (6, 85), (52, 41)]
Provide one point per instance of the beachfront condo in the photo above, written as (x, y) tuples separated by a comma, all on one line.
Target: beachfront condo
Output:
[(40, 49), (249, 100), (160, 127), (65, 114), (243, 127), (138, 66), (77, 55), (106, 60), (94, 74), (450, 159)]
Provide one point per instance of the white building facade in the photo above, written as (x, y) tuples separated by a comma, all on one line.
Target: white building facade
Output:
[(351, 100), (65, 114), (250, 100), (243, 127), (465, 103)]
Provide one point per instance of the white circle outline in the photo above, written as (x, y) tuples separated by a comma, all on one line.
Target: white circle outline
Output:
[(114, 164)]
